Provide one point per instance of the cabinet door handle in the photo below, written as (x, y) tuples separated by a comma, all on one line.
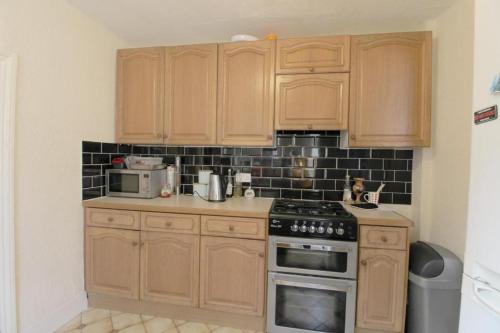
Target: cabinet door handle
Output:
[(110, 219), (142, 244), (231, 228), (311, 70), (269, 137), (384, 239), (135, 243), (364, 262), (309, 126), (158, 136), (261, 254), (168, 224)]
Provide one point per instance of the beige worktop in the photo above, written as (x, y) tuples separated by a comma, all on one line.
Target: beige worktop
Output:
[(241, 207)]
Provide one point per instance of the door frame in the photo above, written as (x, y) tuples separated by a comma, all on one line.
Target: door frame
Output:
[(8, 313)]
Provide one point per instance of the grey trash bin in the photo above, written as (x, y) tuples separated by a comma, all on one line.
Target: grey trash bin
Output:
[(435, 280)]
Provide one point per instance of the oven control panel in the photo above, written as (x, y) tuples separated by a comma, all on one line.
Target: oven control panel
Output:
[(314, 228)]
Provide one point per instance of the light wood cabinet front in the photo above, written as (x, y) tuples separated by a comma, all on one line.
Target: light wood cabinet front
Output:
[(190, 94), (140, 82), (238, 227), (170, 268), (390, 95), (176, 223), (232, 273), (112, 262), (312, 101), (112, 218), (245, 111), (313, 55), (381, 289)]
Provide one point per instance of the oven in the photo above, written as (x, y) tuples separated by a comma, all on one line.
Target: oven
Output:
[(320, 257), (305, 304)]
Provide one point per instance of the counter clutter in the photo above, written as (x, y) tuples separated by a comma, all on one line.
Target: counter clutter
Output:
[(190, 259)]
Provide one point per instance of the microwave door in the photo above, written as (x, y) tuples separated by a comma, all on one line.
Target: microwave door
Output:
[(124, 183)]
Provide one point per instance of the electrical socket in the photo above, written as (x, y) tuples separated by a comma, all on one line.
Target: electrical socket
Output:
[(243, 177)]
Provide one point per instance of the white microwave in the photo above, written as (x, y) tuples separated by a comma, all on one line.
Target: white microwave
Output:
[(134, 183)]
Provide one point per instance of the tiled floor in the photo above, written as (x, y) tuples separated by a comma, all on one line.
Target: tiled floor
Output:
[(107, 321)]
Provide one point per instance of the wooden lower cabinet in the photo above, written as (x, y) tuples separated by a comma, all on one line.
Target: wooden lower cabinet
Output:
[(170, 268), (382, 278), (232, 273), (112, 262)]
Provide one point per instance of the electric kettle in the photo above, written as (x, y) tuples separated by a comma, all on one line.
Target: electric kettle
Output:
[(216, 188)]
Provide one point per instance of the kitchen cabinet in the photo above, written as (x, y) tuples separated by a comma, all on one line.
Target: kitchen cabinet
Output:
[(112, 262), (232, 275), (139, 97), (170, 268), (382, 278), (190, 94), (390, 90), (312, 101), (313, 55), (245, 110)]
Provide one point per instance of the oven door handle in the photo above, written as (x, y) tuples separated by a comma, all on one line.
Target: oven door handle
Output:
[(310, 285), (314, 247)]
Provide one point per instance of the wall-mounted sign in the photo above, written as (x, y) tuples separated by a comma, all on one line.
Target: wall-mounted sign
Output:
[(485, 115)]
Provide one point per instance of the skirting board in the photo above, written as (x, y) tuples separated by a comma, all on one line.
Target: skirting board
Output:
[(178, 312), (59, 317)]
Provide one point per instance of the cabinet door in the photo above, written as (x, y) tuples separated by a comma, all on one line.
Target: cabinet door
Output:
[(190, 94), (232, 273), (245, 111), (313, 55), (390, 90), (381, 289), (170, 268), (112, 262), (312, 101), (139, 113)]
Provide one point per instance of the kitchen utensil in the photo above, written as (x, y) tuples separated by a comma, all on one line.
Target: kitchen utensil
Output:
[(216, 188), (380, 188), (372, 197)]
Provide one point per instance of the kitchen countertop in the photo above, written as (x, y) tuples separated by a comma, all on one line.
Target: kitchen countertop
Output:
[(240, 207)]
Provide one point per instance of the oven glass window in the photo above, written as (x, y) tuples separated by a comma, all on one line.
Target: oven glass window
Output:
[(312, 259), (310, 309), (121, 182)]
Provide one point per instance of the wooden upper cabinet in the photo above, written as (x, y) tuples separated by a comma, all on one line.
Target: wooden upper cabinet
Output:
[(190, 94), (390, 95), (170, 268), (381, 290), (112, 262), (313, 55), (312, 101), (245, 110), (140, 89), (232, 275)]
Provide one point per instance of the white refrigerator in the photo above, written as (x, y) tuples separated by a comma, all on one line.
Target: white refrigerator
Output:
[(480, 308)]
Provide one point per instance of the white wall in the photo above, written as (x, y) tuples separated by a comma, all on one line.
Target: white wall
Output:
[(441, 174), (65, 94)]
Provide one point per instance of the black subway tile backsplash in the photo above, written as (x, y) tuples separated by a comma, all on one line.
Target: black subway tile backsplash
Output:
[(303, 165)]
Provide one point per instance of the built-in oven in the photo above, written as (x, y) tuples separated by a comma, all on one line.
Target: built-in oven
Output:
[(321, 257), (304, 304)]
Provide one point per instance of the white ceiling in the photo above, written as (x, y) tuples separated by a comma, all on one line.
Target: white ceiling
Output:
[(167, 22)]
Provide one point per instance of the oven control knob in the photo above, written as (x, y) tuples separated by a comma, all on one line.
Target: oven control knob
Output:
[(329, 230), (303, 228), (339, 231), (320, 229), (294, 228), (312, 229)]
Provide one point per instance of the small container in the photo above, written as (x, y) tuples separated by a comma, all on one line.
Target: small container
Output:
[(237, 190)]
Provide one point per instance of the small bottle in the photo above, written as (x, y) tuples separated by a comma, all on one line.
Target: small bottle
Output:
[(238, 188), (229, 189), (347, 197)]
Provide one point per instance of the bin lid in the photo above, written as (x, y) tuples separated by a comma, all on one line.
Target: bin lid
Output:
[(434, 267), (425, 261)]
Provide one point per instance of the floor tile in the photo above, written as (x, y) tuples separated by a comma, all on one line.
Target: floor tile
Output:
[(134, 329), (227, 330), (193, 328), (212, 327), (103, 326), (71, 325), (171, 330), (158, 325), (179, 322), (124, 320), (146, 317), (93, 315)]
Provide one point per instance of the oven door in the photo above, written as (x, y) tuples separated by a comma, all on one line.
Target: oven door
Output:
[(319, 257), (304, 304)]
